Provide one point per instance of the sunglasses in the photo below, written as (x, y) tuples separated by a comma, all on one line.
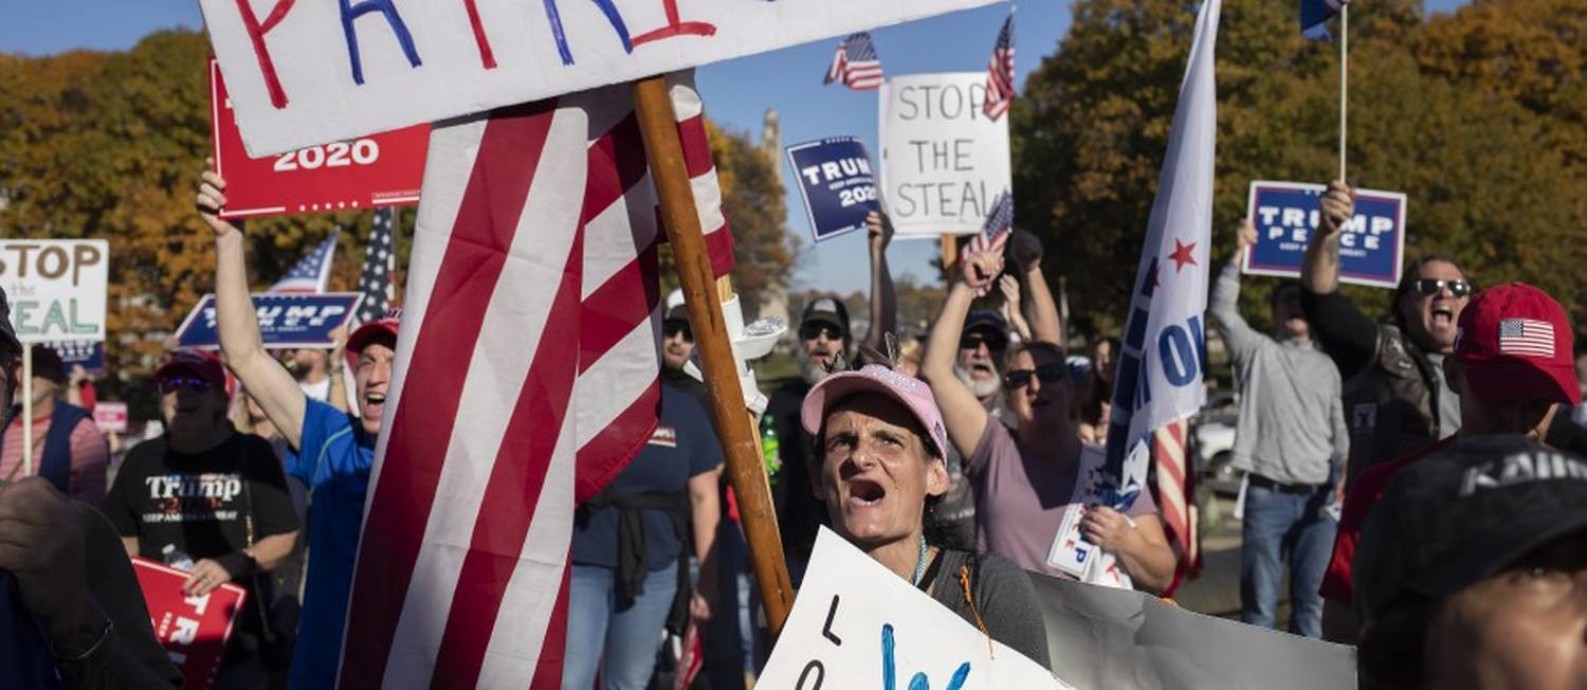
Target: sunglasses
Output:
[(811, 331), (672, 328), (974, 342), (1428, 287), (172, 384), (1046, 373)]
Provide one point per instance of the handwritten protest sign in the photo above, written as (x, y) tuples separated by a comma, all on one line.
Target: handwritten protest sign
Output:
[(285, 320), (836, 183), (1371, 248), (382, 169), (856, 623), (57, 288), (111, 416), (944, 162), (193, 630), (88, 354), (314, 72)]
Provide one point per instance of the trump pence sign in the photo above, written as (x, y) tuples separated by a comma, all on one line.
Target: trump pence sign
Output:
[(306, 73), (1286, 214)]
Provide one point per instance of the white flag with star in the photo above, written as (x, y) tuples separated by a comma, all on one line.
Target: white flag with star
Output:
[(1159, 379)]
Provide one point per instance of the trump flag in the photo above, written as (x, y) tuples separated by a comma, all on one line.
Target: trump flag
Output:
[(1159, 381)]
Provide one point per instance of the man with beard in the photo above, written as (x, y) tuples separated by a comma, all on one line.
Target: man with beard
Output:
[(68, 449), (1396, 398), (677, 346), (1025, 478), (1288, 442), (824, 341)]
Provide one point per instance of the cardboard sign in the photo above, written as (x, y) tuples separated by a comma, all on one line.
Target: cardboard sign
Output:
[(286, 321), (193, 630), (1106, 638), (856, 624), (90, 355), (836, 183), (1371, 247), (377, 170), (944, 162), (111, 416), (57, 288), (315, 72)]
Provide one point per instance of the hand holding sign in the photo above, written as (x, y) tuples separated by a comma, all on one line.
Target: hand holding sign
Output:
[(881, 229), (981, 268), (1338, 205), (1245, 237), (212, 199)]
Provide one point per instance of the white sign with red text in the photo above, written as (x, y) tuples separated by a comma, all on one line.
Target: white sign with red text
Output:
[(309, 73)]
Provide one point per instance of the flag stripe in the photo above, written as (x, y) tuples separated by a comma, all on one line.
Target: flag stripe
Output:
[(463, 287)]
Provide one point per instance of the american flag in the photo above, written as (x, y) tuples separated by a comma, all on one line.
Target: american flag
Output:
[(1000, 72), (380, 259), (1314, 16), (526, 377), (856, 64), (994, 232), (313, 273), (1526, 338)]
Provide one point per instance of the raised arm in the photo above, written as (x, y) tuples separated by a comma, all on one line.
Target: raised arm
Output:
[(1013, 311), (884, 300), (269, 382), (1319, 272), (962, 413), (1041, 310), (1347, 335), (1224, 303)]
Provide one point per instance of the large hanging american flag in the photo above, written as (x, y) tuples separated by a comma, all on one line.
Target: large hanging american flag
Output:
[(313, 273), (856, 64), (380, 259), (1000, 72), (526, 377)]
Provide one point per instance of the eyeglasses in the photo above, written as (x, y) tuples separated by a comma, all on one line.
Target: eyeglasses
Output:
[(172, 384), (1427, 287), (811, 331), (973, 341), (1046, 373), (672, 328)]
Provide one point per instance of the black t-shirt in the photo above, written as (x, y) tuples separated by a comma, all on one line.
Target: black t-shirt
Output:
[(201, 503), (799, 512)]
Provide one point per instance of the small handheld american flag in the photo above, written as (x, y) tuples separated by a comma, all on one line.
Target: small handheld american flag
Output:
[(313, 273), (994, 232), (856, 64), (1000, 72)]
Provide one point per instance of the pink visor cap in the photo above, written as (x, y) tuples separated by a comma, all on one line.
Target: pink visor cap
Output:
[(875, 378)]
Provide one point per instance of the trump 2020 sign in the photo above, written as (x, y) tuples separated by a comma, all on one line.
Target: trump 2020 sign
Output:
[(837, 184)]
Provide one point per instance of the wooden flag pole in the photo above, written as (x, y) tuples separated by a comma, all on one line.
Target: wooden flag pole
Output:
[(1344, 81), (27, 409), (745, 467)]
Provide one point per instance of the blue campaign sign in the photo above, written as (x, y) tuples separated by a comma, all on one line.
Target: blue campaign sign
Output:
[(836, 182), (285, 320), (1371, 248), (90, 354)]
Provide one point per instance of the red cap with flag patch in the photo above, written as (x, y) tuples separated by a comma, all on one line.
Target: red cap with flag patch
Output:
[(1516, 343)]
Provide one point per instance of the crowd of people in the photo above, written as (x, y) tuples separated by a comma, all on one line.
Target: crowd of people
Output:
[(1418, 477)]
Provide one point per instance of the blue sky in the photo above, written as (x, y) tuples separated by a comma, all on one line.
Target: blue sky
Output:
[(737, 93)]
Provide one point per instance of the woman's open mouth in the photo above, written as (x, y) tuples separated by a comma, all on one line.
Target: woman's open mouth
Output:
[(865, 492)]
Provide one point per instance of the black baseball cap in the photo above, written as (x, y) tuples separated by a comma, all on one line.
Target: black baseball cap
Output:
[(9, 345), (1462, 515), (678, 314), (828, 310), (992, 326)]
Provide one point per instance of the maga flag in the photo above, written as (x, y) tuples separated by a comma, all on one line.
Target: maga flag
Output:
[(1159, 381), (526, 377)]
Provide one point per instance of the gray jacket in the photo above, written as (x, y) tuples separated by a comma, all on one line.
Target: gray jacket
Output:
[(1291, 426)]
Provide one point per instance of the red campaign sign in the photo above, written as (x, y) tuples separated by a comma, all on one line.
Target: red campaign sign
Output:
[(111, 416), (383, 169), (193, 630)]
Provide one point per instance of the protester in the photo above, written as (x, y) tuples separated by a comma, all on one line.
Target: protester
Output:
[(206, 499), (335, 449), (76, 615), (1096, 408), (629, 558), (677, 347), (1290, 441), (880, 473), (1512, 368), (1397, 399), (1471, 568), (68, 449), (824, 343), (1025, 479)]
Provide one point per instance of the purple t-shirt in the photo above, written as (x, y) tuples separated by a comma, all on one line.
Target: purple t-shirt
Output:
[(1021, 499)]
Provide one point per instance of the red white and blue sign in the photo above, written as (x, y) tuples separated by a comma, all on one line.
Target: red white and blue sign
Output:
[(837, 183), (89, 354), (286, 321), (1286, 214)]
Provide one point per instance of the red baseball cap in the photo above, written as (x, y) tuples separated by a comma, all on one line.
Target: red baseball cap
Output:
[(1516, 343), (195, 363), (383, 327)]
